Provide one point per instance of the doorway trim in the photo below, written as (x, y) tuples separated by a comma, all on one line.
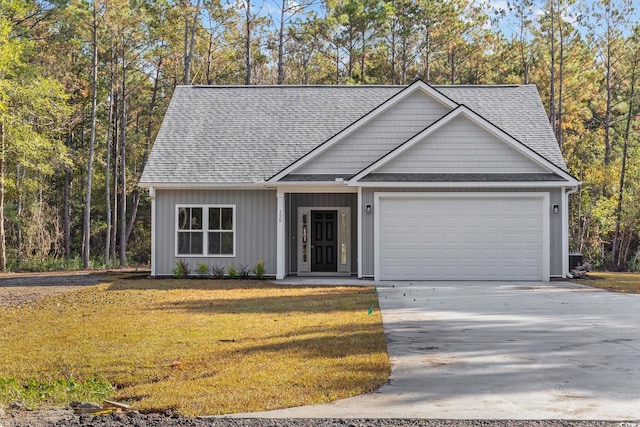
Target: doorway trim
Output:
[(344, 243)]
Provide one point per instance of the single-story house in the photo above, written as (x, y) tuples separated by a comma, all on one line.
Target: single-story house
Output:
[(413, 182)]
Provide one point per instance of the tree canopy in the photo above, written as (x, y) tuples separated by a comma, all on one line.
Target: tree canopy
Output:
[(84, 85)]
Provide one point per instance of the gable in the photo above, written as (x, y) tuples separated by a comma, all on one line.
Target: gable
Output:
[(385, 132), (464, 147)]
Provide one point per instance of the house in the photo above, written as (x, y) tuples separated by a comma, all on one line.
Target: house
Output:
[(384, 182)]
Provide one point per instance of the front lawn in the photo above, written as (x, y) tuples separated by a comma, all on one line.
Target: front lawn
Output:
[(194, 346), (628, 283)]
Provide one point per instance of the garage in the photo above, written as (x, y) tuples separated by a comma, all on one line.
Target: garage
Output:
[(461, 236)]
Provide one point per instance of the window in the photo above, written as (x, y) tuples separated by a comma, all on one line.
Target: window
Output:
[(210, 228), (220, 231)]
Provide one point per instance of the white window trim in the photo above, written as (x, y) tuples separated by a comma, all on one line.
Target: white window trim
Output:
[(205, 230)]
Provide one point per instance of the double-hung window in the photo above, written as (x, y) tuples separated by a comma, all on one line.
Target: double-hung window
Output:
[(207, 230)]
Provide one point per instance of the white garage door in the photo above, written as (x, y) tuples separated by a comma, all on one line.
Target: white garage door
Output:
[(461, 236)]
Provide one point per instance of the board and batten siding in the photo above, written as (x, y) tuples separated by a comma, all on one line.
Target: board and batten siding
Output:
[(376, 138), (461, 146), (255, 228), (555, 223)]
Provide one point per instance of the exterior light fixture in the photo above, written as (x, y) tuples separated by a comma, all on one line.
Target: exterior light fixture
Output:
[(555, 209), (367, 209)]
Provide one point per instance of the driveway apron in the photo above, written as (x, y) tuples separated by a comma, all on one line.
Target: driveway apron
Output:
[(498, 350)]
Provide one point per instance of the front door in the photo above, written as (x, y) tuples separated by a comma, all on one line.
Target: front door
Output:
[(324, 257)]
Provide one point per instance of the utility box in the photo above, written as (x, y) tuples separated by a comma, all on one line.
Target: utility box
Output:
[(574, 260)]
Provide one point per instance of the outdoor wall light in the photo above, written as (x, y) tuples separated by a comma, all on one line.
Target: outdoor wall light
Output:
[(367, 209), (555, 209)]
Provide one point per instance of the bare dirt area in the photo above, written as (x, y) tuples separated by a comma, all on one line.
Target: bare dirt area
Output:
[(21, 288)]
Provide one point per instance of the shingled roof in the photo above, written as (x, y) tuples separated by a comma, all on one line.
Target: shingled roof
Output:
[(246, 134)]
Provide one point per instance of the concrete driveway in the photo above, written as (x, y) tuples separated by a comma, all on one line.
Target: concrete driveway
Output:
[(502, 351)]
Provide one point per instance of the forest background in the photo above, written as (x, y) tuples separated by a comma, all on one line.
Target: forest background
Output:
[(84, 85)]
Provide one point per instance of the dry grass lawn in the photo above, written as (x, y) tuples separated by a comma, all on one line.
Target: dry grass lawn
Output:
[(628, 283), (200, 346)]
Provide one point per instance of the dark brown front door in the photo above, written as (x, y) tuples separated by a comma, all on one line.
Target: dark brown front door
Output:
[(324, 256)]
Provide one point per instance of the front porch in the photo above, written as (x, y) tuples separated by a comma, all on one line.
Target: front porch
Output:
[(317, 233)]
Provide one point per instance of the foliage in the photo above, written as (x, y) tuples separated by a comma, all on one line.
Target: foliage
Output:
[(59, 391), (217, 271), (232, 272), (203, 270), (195, 347), (55, 264), (243, 271), (258, 270), (181, 270)]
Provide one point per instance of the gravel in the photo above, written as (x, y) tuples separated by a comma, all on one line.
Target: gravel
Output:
[(63, 418)]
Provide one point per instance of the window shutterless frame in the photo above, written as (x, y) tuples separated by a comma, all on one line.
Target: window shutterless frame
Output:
[(193, 229)]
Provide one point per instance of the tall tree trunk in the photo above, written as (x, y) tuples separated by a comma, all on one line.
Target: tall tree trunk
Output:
[(362, 79), (123, 167), (560, 85), (3, 164), (67, 212), (281, 44), (614, 250), (19, 250), (552, 69), (116, 177), (92, 140), (190, 28), (247, 44), (107, 171)]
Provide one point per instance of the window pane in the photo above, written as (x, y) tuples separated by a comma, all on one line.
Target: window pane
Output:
[(196, 218), (214, 243), (196, 243), (226, 244), (214, 218), (183, 218), (227, 219), (184, 243), (189, 243)]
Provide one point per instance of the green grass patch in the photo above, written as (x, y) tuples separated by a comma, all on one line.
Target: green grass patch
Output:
[(195, 346), (58, 391), (628, 283)]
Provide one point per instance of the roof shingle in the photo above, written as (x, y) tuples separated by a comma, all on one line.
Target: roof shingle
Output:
[(245, 134)]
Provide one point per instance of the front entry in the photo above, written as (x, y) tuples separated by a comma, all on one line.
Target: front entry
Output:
[(324, 256)]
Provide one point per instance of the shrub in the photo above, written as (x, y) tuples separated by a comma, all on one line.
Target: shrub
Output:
[(243, 271), (217, 271), (182, 269), (258, 270), (203, 270), (233, 274)]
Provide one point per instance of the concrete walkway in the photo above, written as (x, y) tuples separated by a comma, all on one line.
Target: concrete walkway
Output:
[(501, 351)]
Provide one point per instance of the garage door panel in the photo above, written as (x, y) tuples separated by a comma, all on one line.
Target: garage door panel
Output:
[(458, 238)]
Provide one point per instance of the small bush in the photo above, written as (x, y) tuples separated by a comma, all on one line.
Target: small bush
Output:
[(203, 270), (243, 271), (233, 274), (258, 270), (182, 269), (217, 272)]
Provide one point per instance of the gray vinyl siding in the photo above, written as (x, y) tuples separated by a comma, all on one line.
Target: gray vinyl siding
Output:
[(325, 200), (555, 223), (378, 137), (255, 227), (461, 146)]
